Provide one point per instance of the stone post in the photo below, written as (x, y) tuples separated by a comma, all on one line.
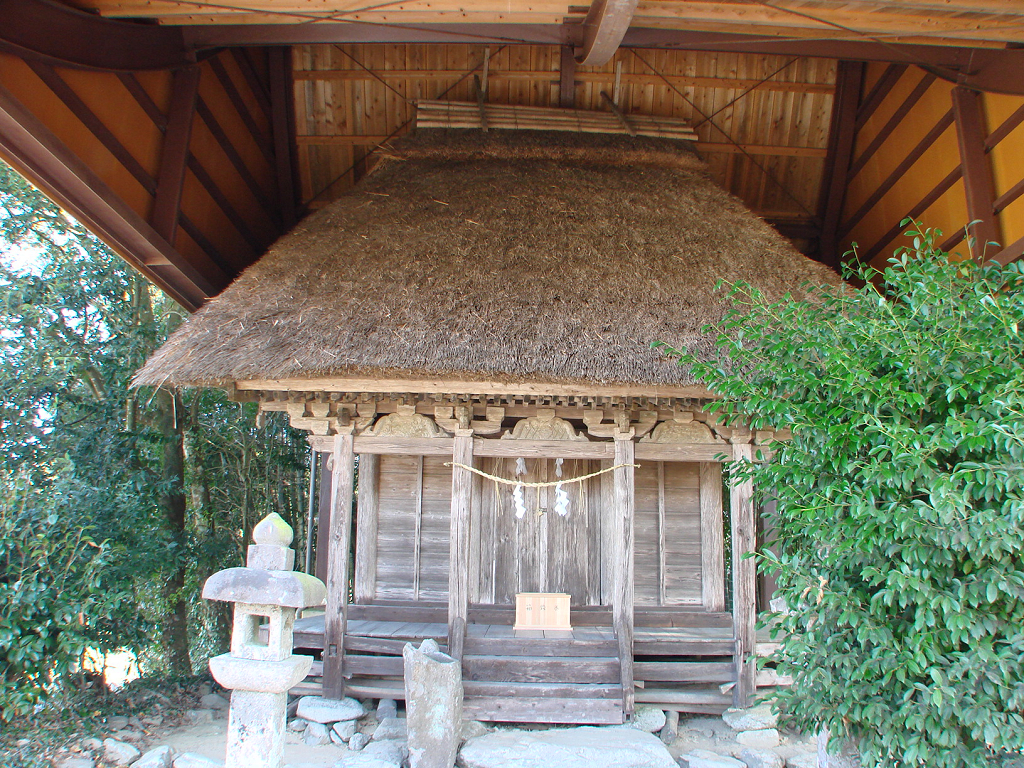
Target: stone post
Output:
[(433, 705), (842, 754), (261, 668)]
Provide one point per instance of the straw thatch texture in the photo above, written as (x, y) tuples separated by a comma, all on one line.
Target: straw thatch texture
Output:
[(500, 256)]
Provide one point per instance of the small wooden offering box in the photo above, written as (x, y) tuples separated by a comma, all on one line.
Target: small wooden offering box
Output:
[(542, 610)]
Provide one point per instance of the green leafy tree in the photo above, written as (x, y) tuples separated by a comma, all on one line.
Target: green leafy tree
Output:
[(167, 483), (900, 500)]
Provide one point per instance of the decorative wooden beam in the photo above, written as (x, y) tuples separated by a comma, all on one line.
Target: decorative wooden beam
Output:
[(175, 153), (34, 150), (458, 543), (603, 29), (970, 134), (56, 33), (744, 579), (342, 479), (849, 77)]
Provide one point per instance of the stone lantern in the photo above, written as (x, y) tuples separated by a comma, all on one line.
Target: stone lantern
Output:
[(261, 668)]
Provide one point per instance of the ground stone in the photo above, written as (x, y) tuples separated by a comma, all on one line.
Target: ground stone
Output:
[(161, 757), (391, 728), (358, 741), (345, 730), (704, 758), (78, 762), (471, 729), (586, 747), (763, 738), (117, 722), (387, 708), (359, 760), (839, 756), (199, 716), (433, 705), (213, 701), (92, 744), (803, 760), (761, 758), (316, 735), (752, 719), (392, 751), (192, 760), (117, 753), (648, 718), (320, 710), (670, 731), (297, 724)]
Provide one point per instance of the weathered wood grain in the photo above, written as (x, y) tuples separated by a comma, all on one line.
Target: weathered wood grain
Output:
[(741, 505), (342, 481), (622, 607), (367, 518), (712, 534), (458, 573)]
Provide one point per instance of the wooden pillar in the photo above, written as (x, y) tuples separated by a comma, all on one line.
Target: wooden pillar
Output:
[(567, 78), (712, 537), (458, 553), (342, 479), (977, 173), (744, 580), (365, 587), (323, 517), (622, 605)]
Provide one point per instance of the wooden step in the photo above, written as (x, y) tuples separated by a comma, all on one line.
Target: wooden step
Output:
[(491, 689), (541, 669), (683, 647), (685, 671), (543, 710), (529, 646), (696, 699)]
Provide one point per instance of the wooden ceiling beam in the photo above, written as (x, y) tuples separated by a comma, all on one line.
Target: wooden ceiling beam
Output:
[(58, 34), (842, 134), (34, 150), (970, 134), (174, 153)]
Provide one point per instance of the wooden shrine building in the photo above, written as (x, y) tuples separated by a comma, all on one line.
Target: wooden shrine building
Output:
[(487, 301), (464, 322)]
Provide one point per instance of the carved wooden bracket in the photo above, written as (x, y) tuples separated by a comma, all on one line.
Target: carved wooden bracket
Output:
[(544, 426), (451, 418), (405, 422), (683, 428), (621, 422), (329, 418)]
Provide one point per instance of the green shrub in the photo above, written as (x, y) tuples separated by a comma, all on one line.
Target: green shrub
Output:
[(51, 597), (900, 514)]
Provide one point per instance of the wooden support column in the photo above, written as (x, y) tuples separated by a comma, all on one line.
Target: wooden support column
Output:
[(841, 137), (622, 595), (342, 479), (458, 552), (175, 152), (567, 78), (970, 135), (366, 527), (323, 518), (744, 580), (712, 537)]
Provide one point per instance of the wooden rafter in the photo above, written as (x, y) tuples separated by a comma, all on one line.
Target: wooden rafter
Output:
[(175, 153), (970, 132), (842, 133)]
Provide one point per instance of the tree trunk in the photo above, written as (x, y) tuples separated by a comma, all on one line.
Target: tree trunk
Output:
[(174, 632)]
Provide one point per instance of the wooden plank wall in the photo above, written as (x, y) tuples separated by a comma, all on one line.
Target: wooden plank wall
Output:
[(906, 163), (766, 146), (543, 551), (115, 124), (667, 534), (412, 545)]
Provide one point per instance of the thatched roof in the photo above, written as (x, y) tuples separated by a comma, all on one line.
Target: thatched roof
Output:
[(503, 256)]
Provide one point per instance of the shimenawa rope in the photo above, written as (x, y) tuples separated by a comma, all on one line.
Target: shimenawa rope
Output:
[(506, 481)]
